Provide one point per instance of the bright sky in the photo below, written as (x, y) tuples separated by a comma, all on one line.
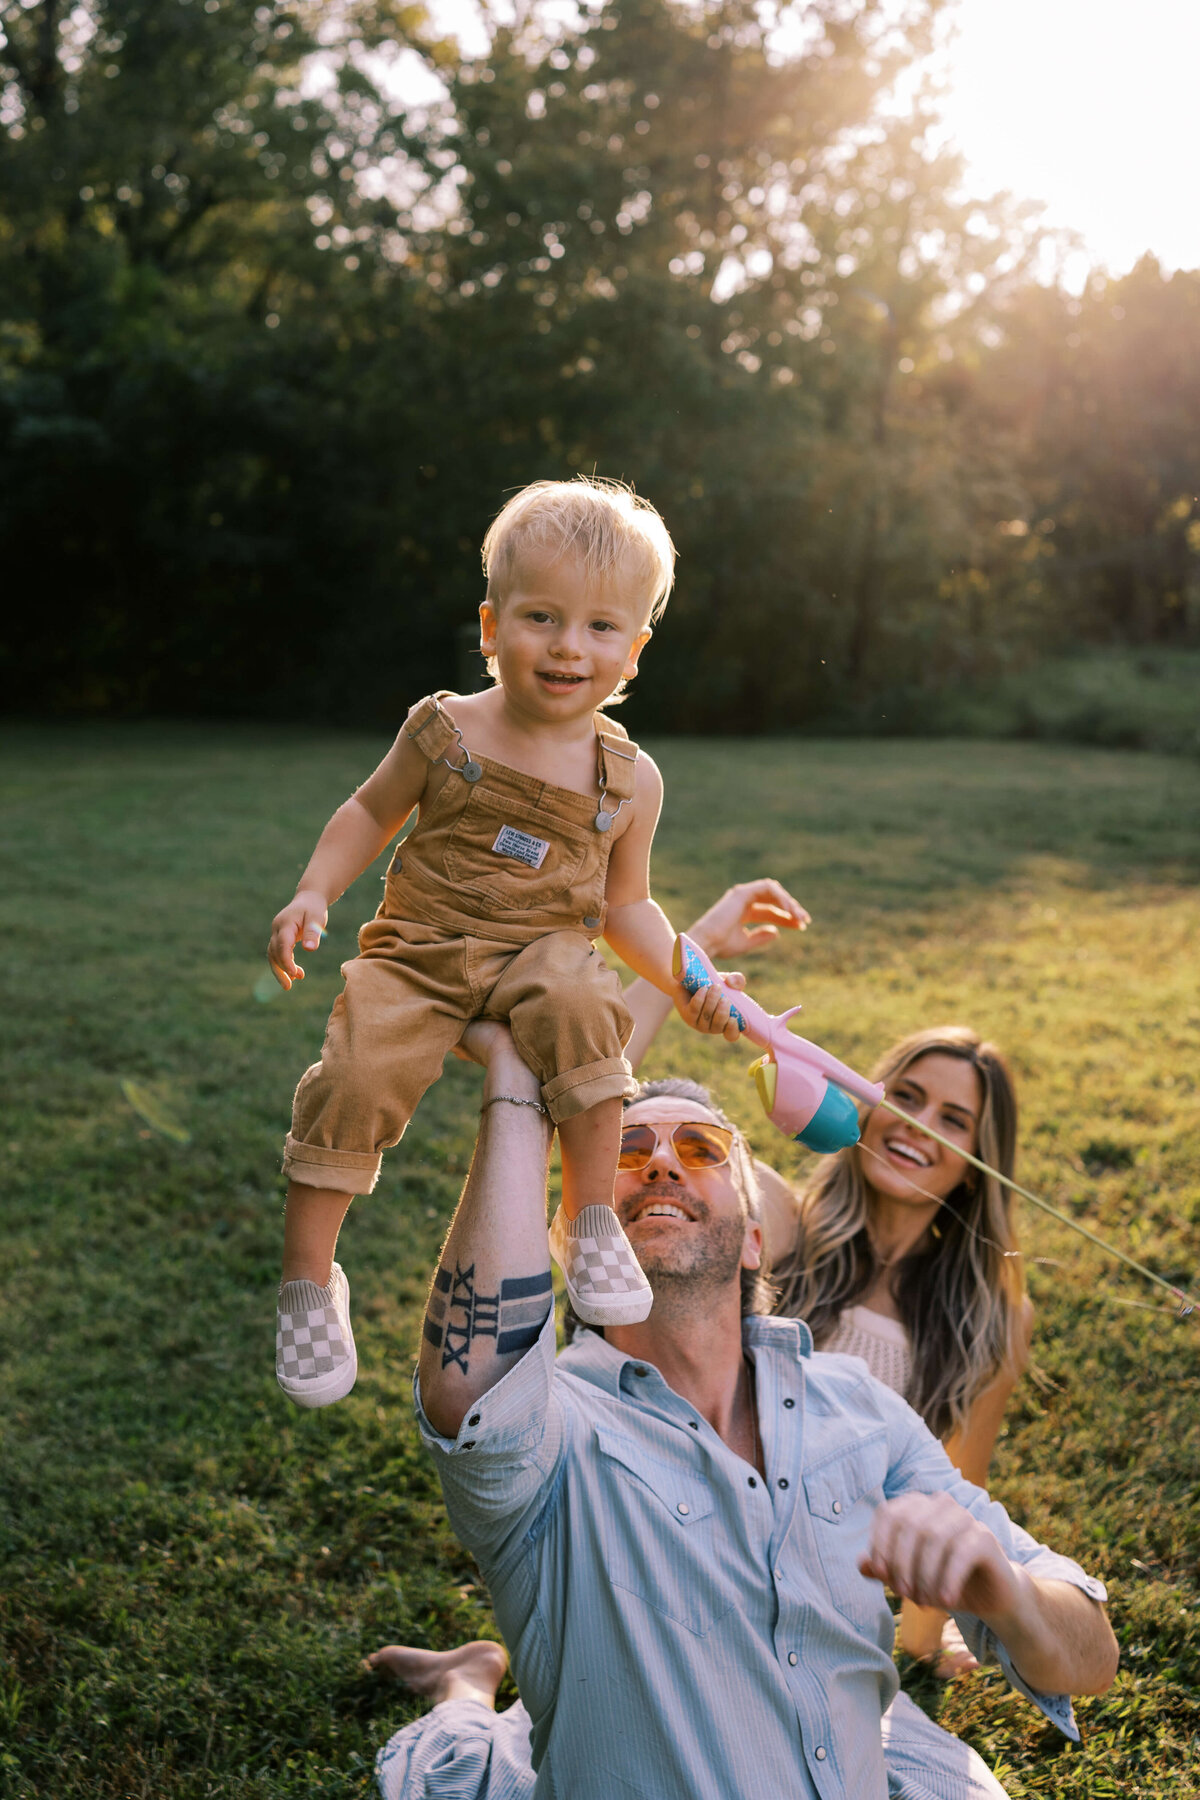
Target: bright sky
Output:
[(1090, 106)]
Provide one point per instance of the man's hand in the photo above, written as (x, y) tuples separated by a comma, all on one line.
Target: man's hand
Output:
[(302, 922), (930, 1550), (748, 917)]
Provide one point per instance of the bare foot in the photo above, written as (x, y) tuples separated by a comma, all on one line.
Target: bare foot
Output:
[(953, 1658), (469, 1672)]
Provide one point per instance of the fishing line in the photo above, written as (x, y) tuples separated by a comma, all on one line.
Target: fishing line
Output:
[(1186, 1303)]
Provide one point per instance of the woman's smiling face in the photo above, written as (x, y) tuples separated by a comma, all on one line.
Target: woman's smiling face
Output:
[(899, 1161)]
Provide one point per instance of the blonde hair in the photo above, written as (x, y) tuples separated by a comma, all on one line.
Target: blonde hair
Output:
[(612, 531), (961, 1295)]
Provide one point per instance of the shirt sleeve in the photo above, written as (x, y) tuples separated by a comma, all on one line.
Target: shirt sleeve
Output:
[(499, 1470), (922, 1466)]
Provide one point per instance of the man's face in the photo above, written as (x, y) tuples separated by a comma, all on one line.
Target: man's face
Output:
[(687, 1226)]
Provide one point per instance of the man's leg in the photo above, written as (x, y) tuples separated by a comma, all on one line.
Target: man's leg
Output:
[(926, 1763)]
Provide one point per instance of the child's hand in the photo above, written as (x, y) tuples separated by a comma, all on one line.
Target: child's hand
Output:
[(748, 917), (708, 1009), (301, 922)]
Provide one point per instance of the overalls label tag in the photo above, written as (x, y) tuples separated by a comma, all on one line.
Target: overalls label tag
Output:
[(521, 846)]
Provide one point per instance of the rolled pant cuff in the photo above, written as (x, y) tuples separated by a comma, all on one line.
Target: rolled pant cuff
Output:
[(319, 1166), (579, 1089)]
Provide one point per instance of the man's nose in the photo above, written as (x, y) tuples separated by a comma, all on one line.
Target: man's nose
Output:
[(662, 1167)]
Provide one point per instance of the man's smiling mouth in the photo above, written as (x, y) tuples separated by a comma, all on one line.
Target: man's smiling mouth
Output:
[(659, 1208)]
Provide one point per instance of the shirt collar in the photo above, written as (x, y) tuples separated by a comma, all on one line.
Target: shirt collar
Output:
[(592, 1358)]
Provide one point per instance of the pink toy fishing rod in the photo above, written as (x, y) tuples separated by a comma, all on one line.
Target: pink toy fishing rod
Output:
[(811, 1096)]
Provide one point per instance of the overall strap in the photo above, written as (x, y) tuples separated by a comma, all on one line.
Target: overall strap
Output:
[(618, 760), (618, 770), (437, 736)]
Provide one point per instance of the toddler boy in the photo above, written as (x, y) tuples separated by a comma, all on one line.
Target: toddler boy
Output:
[(535, 820)]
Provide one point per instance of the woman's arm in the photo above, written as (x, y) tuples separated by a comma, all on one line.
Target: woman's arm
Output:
[(746, 917), (923, 1628)]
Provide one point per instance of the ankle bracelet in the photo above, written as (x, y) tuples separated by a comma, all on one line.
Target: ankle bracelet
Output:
[(512, 1100)]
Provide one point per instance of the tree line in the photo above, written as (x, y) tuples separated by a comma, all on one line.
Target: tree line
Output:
[(292, 296)]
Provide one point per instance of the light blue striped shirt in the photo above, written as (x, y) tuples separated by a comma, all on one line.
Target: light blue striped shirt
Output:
[(679, 1628)]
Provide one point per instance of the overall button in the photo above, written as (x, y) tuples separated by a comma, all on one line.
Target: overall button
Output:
[(837, 1506), (683, 1509), (819, 1753), (592, 921), (793, 1658)]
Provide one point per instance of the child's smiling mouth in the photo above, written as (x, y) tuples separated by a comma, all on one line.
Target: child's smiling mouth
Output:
[(559, 678)]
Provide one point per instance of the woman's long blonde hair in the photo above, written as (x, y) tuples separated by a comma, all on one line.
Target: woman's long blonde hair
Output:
[(961, 1294)]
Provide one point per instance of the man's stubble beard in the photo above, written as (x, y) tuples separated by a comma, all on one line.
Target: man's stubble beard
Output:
[(687, 1275)]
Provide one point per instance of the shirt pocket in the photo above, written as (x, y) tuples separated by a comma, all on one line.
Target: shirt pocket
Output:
[(842, 1493), (659, 1520), (510, 881)]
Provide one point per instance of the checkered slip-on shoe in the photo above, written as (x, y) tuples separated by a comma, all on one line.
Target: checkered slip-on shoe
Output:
[(604, 1279), (315, 1362)]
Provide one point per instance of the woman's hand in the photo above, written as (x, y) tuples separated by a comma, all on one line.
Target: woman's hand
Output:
[(748, 916)]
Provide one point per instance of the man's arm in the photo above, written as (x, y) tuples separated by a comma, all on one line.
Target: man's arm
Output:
[(930, 1550), (491, 1293)]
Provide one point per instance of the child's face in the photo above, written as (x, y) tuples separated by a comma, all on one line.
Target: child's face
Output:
[(561, 645)]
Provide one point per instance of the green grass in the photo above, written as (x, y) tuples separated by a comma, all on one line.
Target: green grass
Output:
[(192, 1567)]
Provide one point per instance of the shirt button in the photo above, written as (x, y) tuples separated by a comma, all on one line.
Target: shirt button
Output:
[(793, 1658), (819, 1753), (470, 1444), (474, 1419), (592, 921), (695, 1424), (789, 1403), (837, 1506), (754, 1481), (779, 1574), (783, 1481), (683, 1509), (640, 1369)]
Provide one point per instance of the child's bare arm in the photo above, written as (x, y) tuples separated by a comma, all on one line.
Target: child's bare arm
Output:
[(360, 828), (637, 927)]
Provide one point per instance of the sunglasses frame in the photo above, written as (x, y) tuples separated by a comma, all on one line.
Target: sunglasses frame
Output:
[(670, 1128)]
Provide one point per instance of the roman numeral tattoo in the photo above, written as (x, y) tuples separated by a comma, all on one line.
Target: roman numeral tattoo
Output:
[(457, 1313)]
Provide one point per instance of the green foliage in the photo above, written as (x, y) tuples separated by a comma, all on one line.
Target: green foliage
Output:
[(275, 344), (192, 1568), (1146, 699)]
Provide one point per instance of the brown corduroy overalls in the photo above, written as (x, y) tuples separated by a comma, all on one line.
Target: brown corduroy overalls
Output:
[(490, 910)]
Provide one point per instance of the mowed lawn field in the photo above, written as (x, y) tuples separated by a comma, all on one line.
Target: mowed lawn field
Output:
[(192, 1568)]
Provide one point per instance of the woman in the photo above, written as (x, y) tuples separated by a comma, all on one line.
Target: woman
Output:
[(895, 1250)]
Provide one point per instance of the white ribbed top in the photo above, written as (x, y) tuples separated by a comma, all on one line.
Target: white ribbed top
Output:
[(883, 1344)]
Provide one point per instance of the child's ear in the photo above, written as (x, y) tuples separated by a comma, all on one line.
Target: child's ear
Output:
[(635, 650), (487, 629)]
